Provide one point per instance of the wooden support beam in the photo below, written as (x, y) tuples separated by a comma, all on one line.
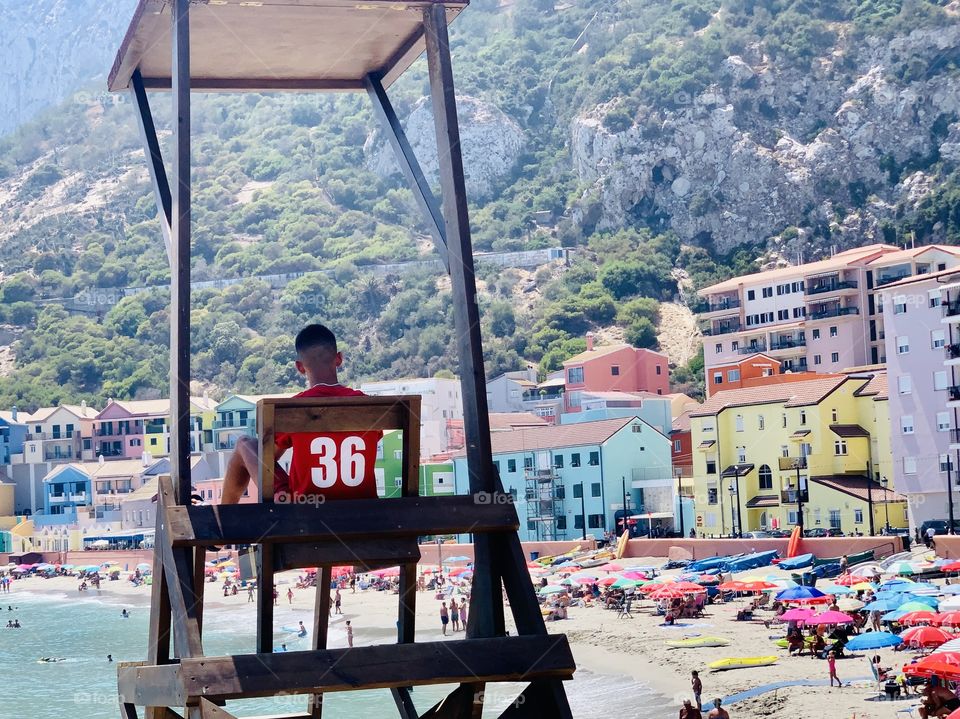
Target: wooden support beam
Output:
[(321, 625), (180, 255), (186, 606), (209, 710), (506, 659), (151, 149), (458, 704), (345, 520)]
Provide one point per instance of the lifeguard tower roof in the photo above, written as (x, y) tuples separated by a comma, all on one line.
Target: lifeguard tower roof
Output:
[(293, 45)]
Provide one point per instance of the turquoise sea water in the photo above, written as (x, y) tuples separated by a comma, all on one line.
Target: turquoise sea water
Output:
[(84, 630)]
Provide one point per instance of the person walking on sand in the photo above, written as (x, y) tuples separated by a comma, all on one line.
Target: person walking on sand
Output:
[(832, 666), (688, 711), (718, 712), (250, 593), (697, 687), (349, 634), (444, 617), (290, 595), (336, 601), (276, 595), (463, 613)]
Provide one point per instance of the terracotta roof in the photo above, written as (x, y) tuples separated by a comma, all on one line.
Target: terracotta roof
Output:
[(791, 394), (578, 434), (922, 278), (849, 430), (856, 486), (877, 387), (763, 500), (681, 423), (598, 351), (500, 421), (614, 396)]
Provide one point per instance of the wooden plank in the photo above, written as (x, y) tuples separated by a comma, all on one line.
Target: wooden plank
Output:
[(151, 150), (458, 704), (180, 254), (340, 414), (508, 659), (343, 520), (540, 698), (267, 449), (264, 599), (209, 710), (185, 606), (158, 638), (321, 625), (366, 555), (150, 685), (199, 581), (265, 588)]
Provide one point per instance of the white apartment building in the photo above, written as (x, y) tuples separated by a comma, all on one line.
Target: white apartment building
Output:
[(821, 317), (441, 408)]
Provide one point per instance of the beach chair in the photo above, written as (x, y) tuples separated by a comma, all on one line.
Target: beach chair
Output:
[(624, 610), (876, 676), (763, 601)]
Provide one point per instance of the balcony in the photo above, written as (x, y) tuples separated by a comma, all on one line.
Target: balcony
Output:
[(951, 309), (790, 496), (954, 393), (705, 307), (753, 348), (62, 497), (953, 351), (892, 278), (47, 436), (156, 429), (792, 463), (234, 424), (834, 312), (110, 452), (831, 287), (788, 343), (722, 329), (955, 436), (82, 497)]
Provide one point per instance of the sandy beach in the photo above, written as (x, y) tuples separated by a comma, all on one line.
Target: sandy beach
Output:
[(632, 646)]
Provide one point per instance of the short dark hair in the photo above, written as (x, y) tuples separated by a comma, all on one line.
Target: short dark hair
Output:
[(315, 335)]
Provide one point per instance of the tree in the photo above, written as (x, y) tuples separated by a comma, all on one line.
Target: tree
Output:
[(502, 321), (19, 288)]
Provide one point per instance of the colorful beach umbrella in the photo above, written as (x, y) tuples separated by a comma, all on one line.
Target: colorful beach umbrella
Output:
[(850, 604), (758, 586), (873, 640), (797, 614), (733, 586), (915, 605), (952, 646), (634, 575), (834, 589), (925, 637), (948, 619), (911, 619), (611, 567), (830, 617), (552, 589), (624, 583), (606, 581), (800, 594)]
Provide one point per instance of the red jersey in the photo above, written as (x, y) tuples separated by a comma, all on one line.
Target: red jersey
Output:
[(337, 465)]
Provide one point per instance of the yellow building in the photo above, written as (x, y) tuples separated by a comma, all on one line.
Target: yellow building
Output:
[(828, 435)]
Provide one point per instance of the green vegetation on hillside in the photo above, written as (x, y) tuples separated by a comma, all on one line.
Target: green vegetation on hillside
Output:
[(282, 185)]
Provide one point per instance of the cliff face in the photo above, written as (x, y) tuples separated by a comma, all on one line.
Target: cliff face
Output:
[(52, 47), (845, 145)]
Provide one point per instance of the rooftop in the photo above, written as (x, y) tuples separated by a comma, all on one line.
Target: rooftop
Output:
[(856, 486), (792, 394), (531, 439), (500, 421)]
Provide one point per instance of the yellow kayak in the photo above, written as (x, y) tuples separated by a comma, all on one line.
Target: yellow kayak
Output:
[(741, 663), (695, 642)]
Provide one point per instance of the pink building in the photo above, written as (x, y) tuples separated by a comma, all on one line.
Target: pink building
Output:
[(129, 428), (614, 368), (820, 317)]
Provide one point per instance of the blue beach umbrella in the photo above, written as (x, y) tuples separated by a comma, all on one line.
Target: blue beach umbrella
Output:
[(883, 605), (892, 616), (873, 640), (835, 589), (950, 589), (800, 593)]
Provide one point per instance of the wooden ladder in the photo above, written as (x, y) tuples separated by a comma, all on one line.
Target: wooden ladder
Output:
[(368, 534)]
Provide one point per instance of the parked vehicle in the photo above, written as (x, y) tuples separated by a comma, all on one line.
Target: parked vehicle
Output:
[(815, 532), (757, 535)]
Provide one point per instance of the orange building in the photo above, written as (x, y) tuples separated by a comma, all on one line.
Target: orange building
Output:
[(614, 368)]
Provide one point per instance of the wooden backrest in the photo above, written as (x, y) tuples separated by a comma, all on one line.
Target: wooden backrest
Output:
[(317, 415)]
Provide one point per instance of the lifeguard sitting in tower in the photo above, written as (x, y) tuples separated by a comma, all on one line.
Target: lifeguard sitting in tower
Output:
[(334, 465)]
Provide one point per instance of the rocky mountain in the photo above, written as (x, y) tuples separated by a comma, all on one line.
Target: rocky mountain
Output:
[(53, 48)]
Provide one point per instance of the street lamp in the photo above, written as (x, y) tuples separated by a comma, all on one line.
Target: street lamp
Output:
[(440, 556), (583, 510), (733, 517), (680, 502), (886, 504), (796, 463)]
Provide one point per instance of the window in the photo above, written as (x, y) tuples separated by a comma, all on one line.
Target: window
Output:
[(817, 359), (637, 429), (512, 465), (532, 525), (739, 422), (734, 345), (784, 450), (766, 477), (833, 415), (711, 466), (899, 305), (575, 375), (940, 380), (943, 421), (718, 377), (561, 492), (840, 447), (937, 339), (909, 465), (595, 489), (904, 384), (718, 348), (799, 312), (561, 522), (676, 445), (783, 314), (803, 416), (496, 465), (761, 423), (558, 461), (792, 516), (615, 370), (934, 296), (835, 357), (833, 331), (711, 495), (751, 294), (834, 519), (768, 292), (577, 491), (903, 345), (660, 369), (816, 334), (858, 516), (741, 455), (733, 375), (906, 424), (594, 459), (575, 459), (945, 464), (595, 521)]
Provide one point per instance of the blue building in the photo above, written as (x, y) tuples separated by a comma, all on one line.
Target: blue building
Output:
[(236, 417), (12, 436), (654, 409), (66, 488), (574, 480)]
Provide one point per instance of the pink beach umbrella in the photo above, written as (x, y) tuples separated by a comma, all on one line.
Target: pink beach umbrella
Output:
[(607, 581), (797, 614), (830, 617), (584, 579), (634, 575), (611, 567)]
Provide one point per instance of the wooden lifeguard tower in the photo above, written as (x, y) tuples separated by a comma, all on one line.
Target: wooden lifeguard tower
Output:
[(306, 46)]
